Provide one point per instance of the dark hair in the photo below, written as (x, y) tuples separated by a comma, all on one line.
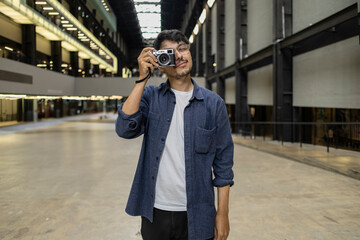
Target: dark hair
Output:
[(171, 35)]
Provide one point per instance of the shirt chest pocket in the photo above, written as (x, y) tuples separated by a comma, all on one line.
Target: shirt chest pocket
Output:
[(153, 124), (204, 140)]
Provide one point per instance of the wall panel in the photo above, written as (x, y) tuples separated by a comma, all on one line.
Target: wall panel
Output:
[(213, 29), (81, 63), (10, 29), (329, 76), (43, 45), (204, 41), (230, 93), (214, 87), (65, 55), (308, 12), (230, 7), (260, 25), (44, 82), (260, 86)]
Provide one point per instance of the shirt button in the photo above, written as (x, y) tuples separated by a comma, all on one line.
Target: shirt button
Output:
[(162, 139), (157, 158), (168, 119), (153, 178)]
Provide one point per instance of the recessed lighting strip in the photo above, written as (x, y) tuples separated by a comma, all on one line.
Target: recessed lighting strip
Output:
[(63, 11), (22, 13)]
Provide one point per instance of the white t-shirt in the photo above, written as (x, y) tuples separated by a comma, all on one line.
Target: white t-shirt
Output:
[(170, 190)]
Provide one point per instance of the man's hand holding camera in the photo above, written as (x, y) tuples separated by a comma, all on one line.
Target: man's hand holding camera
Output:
[(146, 61)]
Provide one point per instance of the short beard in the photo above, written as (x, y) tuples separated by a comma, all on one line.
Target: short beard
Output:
[(183, 74)]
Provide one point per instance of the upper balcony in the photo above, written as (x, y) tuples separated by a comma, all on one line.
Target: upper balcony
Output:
[(77, 29)]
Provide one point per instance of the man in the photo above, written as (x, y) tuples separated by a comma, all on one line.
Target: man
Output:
[(186, 135)]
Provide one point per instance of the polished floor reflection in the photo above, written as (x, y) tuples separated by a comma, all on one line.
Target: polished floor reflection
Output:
[(71, 181)]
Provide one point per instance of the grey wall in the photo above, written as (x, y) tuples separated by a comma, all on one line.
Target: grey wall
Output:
[(45, 82), (230, 93), (10, 29), (260, 25), (214, 87), (213, 29), (308, 12), (230, 38), (329, 76), (260, 86), (204, 41), (43, 45), (115, 85)]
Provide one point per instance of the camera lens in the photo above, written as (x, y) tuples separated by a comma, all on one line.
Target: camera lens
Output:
[(164, 59)]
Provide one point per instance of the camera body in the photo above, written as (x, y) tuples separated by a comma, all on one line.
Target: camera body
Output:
[(165, 57)]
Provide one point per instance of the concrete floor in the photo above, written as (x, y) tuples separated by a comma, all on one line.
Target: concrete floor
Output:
[(71, 181)]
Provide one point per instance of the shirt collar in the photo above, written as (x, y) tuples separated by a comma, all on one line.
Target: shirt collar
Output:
[(197, 93)]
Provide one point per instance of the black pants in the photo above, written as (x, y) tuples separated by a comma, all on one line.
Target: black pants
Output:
[(166, 226)]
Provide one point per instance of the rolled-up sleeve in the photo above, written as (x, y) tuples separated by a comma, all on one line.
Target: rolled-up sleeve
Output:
[(223, 163), (129, 126), (132, 126)]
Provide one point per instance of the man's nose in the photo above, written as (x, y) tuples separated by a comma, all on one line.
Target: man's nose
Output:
[(177, 54)]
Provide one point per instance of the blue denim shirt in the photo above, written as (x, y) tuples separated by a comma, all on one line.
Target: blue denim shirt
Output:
[(208, 152)]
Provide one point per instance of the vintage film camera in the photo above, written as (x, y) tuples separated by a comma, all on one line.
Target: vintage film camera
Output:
[(165, 57)]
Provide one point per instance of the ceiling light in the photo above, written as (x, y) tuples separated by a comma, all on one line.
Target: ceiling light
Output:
[(68, 25), (83, 55), (53, 13), (68, 46), (9, 48), (196, 29), (16, 16), (191, 39), (147, 1), (24, 14), (71, 28), (48, 8), (64, 21), (11, 95), (116, 97), (202, 16), (47, 34), (210, 3)]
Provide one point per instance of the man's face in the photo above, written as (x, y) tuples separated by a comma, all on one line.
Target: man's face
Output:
[(183, 59)]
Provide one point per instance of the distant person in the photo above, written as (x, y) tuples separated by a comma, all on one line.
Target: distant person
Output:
[(331, 135), (187, 140)]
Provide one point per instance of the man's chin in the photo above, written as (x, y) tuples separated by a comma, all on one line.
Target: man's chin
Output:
[(183, 73)]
